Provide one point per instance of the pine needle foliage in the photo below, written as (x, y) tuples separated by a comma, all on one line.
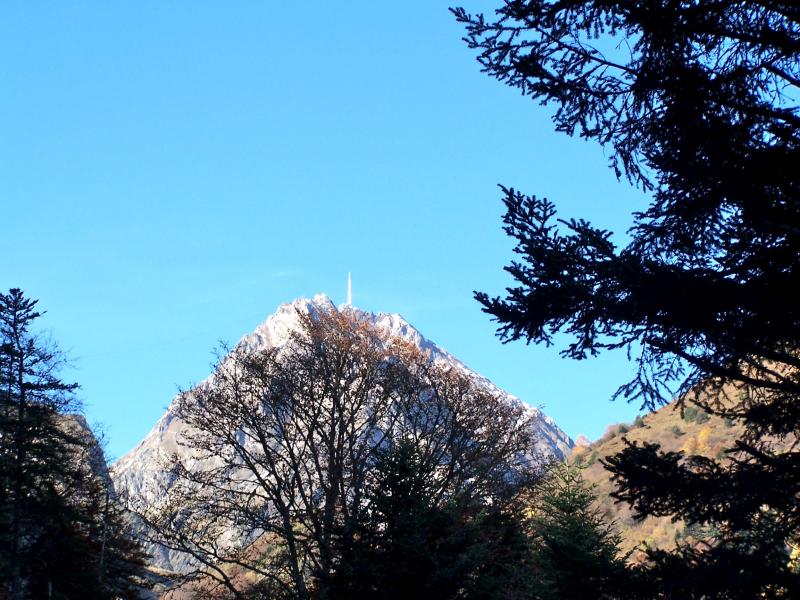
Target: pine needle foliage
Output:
[(698, 104), (575, 550), (62, 534)]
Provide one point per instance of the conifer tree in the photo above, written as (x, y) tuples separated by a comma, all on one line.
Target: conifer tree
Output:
[(412, 544), (697, 103), (61, 533), (576, 553)]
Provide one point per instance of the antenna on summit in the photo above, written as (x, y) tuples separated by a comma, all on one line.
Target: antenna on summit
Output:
[(349, 290)]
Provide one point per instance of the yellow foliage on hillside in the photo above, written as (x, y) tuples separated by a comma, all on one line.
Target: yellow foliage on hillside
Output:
[(693, 432)]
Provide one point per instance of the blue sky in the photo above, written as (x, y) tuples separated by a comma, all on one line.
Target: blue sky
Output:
[(171, 172)]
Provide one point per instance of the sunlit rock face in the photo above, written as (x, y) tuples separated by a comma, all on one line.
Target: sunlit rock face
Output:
[(143, 473)]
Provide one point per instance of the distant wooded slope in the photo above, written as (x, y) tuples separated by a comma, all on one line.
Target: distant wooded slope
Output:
[(694, 432)]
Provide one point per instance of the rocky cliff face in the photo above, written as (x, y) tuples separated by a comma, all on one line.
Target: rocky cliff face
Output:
[(144, 472)]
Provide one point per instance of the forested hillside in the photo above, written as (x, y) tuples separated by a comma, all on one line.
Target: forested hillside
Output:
[(691, 430)]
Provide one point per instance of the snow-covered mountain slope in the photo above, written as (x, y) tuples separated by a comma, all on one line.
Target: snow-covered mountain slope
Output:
[(142, 473)]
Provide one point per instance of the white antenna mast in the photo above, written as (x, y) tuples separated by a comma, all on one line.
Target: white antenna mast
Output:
[(349, 290)]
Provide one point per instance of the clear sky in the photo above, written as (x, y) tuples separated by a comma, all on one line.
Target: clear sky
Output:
[(171, 172)]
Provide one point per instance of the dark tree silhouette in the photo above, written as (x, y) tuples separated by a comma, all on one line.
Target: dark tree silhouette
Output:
[(61, 531), (698, 103), (413, 544), (34, 447), (576, 551)]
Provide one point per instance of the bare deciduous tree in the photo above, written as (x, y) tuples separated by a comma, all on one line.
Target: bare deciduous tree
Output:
[(286, 440)]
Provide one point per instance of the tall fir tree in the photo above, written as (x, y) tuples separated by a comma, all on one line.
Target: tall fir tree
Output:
[(61, 533), (414, 543), (576, 552), (698, 104)]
